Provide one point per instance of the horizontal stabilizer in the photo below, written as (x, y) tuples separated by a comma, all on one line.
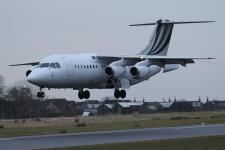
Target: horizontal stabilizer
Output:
[(170, 22)]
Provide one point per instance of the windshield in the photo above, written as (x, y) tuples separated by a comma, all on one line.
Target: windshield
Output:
[(57, 65), (51, 65), (44, 65)]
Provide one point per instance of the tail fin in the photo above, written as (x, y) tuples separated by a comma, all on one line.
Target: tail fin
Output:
[(160, 40)]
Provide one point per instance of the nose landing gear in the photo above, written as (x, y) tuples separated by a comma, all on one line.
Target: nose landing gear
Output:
[(41, 94), (83, 94)]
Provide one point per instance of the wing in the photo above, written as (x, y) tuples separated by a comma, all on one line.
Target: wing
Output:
[(26, 64), (156, 60)]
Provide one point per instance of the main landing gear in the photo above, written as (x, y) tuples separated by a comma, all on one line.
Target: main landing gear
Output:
[(41, 94), (83, 94), (120, 93)]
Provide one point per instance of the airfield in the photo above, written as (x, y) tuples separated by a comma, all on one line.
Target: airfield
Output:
[(59, 132), (103, 137)]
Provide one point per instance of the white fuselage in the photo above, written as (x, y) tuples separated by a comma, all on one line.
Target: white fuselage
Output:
[(78, 72)]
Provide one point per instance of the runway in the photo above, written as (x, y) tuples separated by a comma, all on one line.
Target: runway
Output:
[(102, 137)]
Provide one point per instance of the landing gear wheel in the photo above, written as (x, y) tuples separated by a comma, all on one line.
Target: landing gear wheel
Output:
[(120, 93), (84, 94), (123, 94), (41, 94), (80, 95), (117, 94)]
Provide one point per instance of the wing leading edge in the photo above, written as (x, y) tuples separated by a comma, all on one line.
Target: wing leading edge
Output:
[(157, 60), (26, 64)]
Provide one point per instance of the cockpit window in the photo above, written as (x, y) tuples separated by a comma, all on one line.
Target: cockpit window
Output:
[(57, 65), (44, 65), (52, 65)]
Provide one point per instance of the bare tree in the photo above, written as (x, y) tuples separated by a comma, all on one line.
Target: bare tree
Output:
[(2, 85), (22, 90)]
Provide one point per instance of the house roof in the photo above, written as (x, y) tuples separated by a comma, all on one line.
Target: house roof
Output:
[(115, 101), (93, 106), (52, 107), (110, 106), (128, 104), (166, 104)]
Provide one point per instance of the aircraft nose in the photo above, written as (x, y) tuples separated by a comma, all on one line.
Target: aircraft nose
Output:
[(33, 78)]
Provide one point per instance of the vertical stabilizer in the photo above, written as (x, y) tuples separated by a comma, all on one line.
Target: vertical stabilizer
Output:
[(160, 39)]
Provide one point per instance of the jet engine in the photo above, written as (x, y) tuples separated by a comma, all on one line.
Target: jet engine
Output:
[(144, 71), (139, 71), (114, 71)]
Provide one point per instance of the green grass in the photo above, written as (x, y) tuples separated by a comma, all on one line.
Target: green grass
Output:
[(198, 143), (114, 123)]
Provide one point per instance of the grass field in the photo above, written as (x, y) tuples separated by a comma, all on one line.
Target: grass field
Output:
[(9, 128), (199, 143)]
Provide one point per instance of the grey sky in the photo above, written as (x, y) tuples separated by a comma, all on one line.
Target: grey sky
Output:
[(31, 30)]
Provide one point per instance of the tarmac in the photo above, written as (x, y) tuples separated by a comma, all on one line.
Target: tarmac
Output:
[(103, 137)]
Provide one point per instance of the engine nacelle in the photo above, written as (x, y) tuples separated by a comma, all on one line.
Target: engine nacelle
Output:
[(143, 71), (139, 71), (170, 67), (114, 71)]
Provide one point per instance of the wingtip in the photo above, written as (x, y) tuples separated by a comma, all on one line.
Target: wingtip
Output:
[(211, 58)]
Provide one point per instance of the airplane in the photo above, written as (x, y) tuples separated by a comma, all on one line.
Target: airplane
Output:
[(101, 71)]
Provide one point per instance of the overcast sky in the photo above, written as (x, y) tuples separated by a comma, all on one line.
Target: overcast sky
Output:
[(33, 29)]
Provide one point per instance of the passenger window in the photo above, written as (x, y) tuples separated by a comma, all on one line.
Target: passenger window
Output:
[(75, 66), (57, 65), (52, 65), (44, 65), (87, 66), (90, 66)]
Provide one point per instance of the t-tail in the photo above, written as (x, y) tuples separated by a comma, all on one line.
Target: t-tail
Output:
[(160, 39)]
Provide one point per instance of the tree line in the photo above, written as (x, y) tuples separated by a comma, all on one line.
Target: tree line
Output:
[(20, 91)]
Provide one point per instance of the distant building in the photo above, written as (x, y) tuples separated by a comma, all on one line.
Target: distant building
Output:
[(214, 105), (186, 106), (128, 107), (51, 108), (151, 107), (90, 106), (166, 106), (59, 107), (197, 106), (106, 109)]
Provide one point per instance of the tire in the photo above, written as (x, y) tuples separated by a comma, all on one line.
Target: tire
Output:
[(123, 93), (80, 95), (86, 94), (117, 94), (39, 94), (42, 94)]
